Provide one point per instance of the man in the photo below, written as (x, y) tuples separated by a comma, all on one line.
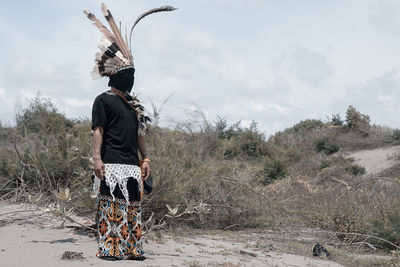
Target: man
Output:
[(116, 164), (119, 125)]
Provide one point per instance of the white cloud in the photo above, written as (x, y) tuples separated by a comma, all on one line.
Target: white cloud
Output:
[(385, 15), (2, 92), (306, 66), (378, 97), (78, 103), (258, 107), (280, 109)]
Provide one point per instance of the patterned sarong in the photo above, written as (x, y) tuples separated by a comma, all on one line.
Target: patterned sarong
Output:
[(119, 221), (119, 228)]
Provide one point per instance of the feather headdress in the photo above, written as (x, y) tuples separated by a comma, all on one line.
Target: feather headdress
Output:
[(115, 52), (115, 55)]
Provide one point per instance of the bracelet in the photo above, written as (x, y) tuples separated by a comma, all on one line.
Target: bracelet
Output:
[(146, 159)]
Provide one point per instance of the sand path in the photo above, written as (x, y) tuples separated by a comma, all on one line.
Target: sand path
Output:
[(29, 238), (376, 160)]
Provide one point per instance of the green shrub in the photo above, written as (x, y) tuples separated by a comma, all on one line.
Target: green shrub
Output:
[(293, 155), (307, 125), (227, 132), (396, 134), (248, 142), (356, 169), (326, 145), (297, 136), (324, 164), (337, 120), (273, 169), (42, 117), (355, 120)]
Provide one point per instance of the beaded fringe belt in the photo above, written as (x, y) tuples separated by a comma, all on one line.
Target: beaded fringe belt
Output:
[(119, 174)]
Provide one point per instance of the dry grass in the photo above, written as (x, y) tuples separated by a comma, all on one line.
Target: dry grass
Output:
[(341, 203), (186, 172), (376, 136)]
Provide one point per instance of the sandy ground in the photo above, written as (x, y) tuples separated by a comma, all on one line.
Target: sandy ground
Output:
[(376, 160), (29, 237)]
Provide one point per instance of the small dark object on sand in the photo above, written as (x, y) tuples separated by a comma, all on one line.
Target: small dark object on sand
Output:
[(319, 249), (70, 255), (248, 253)]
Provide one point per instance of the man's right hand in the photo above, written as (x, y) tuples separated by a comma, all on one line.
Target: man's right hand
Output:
[(99, 169)]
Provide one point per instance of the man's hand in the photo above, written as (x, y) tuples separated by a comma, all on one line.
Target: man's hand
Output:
[(146, 170), (146, 160), (99, 168)]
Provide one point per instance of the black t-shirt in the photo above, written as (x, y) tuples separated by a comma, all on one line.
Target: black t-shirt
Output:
[(120, 124)]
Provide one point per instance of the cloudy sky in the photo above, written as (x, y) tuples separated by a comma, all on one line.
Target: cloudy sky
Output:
[(272, 61)]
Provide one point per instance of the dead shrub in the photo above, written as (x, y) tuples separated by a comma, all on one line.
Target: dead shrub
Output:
[(342, 203), (182, 176), (389, 227)]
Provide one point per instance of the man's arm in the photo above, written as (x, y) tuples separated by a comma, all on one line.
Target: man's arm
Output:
[(143, 152), (99, 168)]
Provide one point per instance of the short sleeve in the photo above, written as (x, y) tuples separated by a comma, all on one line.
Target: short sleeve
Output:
[(99, 117)]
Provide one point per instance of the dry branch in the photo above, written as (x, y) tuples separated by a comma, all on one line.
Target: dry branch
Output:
[(366, 235)]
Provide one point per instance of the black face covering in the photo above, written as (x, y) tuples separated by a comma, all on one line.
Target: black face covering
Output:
[(123, 80)]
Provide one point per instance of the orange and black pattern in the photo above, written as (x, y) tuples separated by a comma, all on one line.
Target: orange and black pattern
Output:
[(119, 228)]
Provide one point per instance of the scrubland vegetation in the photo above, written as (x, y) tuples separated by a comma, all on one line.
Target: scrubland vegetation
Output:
[(218, 176)]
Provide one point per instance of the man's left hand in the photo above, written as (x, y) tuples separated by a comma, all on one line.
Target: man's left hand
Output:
[(146, 170)]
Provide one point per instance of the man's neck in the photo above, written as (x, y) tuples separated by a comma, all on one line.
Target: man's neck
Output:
[(124, 93)]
